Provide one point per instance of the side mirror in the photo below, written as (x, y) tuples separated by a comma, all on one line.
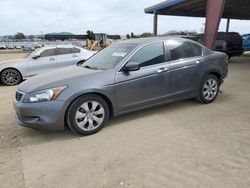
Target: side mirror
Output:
[(131, 66), (35, 56)]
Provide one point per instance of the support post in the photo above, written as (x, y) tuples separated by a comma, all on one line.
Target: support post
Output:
[(228, 24), (214, 13), (155, 23)]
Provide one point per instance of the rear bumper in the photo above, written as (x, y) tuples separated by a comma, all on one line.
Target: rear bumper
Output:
[(44, 115)]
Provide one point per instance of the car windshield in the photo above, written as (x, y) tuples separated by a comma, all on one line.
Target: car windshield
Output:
[(109, 57), (34, 53)]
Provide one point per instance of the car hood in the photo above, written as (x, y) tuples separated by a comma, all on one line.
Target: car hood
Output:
[(60, 77)]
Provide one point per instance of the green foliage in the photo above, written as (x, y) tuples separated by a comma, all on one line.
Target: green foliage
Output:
[(19, 36), (128, 36), (146, 34), (90, 35), (133, 35), (31, 37)]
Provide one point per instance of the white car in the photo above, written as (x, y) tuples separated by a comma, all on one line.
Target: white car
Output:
[(42, 60)]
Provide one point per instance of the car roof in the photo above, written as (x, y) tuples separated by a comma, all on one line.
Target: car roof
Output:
[(152, 39), (59, 46)]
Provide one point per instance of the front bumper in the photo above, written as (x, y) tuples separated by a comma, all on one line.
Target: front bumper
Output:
[(43, 115)]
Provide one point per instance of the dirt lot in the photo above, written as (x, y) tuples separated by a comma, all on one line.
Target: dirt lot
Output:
[(184, 144)]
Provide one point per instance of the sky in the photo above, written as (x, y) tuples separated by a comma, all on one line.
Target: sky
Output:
[(108, 16)]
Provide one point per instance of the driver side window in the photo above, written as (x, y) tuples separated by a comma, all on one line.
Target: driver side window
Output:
[(150, 54)]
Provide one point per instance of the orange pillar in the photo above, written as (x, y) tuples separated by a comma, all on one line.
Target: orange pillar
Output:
[(214, 13)]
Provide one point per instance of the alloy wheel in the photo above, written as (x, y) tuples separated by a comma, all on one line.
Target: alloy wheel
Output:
[(210, 89), (90, 115), (10, 77)]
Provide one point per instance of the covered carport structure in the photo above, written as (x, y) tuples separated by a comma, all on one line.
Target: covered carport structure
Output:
[(213, 10)]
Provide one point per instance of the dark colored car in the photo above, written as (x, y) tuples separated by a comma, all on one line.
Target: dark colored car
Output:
[(230, 43), (124, 77)]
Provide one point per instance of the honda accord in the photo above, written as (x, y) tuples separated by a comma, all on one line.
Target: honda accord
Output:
[(124, 77)]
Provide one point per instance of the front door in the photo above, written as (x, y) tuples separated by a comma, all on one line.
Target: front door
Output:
[(148, 84), (45, 63)]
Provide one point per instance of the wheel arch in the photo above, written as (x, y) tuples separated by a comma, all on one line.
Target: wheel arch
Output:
[(107, 100), (13, 69), (216, 73)]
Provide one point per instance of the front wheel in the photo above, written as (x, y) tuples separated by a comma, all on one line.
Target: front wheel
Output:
[(88, 114), (209, 89), (11, 77)]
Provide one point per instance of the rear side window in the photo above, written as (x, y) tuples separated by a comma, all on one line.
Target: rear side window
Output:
[(48, 52), (62, 51), (150, 54), (76, 50), (197, 50), (180, 50)]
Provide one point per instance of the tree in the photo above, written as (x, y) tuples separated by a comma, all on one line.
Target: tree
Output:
[(31, 37), (132, 35), (19, 36), (10, 38), (128, 36), (90, 35), (146, 34)]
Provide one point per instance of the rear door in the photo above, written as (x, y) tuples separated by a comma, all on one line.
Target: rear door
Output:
[(185, 65), (146, 85), (45, 63), (66, 56)]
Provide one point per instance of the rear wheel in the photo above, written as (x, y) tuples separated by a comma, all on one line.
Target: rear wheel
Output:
[(88, 114), (209, 89), (11, 77)]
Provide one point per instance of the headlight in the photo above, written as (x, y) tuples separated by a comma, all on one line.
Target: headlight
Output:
[(44, 95)]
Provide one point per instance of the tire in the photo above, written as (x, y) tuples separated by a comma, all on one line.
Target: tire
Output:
[(87, 115), (11, 77), (209, 89)]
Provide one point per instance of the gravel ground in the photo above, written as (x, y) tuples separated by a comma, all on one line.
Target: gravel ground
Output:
[(184, 144)]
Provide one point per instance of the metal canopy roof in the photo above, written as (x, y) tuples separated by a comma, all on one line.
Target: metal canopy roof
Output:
[(234, 9)]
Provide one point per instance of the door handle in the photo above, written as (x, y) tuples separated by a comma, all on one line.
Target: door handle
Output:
[(162, 70), (74, 55), (199, 61), (52, 59)]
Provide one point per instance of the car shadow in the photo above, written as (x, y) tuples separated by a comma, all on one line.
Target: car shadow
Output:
[(30, 136)]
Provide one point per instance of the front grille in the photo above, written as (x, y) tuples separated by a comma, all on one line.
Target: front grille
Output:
[(18, 96)]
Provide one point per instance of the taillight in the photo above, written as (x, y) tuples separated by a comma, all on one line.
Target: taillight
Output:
[(224, 45)]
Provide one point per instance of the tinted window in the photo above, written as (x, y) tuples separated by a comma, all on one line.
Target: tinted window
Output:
[(197, 50), (149, 55), (76, 50), (62, 51), (48, 52), (180, 50)]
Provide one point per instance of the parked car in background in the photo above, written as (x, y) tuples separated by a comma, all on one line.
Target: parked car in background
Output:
[(40, 61), (18, 47), (123, 77), (2, 47), (11, 47), (246, 42), (229, 43), (28, 48)]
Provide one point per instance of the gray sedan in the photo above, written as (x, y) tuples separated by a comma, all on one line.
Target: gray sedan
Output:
[(40, 61), (124, 77)]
